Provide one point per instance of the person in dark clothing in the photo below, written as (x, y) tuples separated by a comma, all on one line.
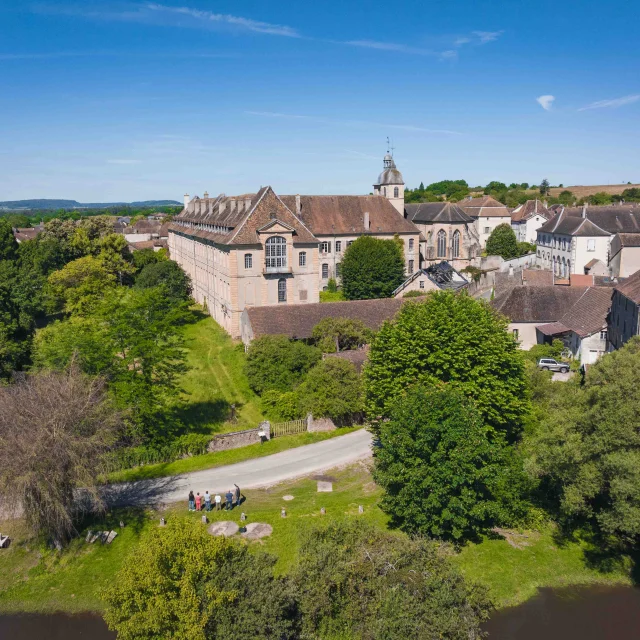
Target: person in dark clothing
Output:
[(192, 502), (229, 497), (237, 495)]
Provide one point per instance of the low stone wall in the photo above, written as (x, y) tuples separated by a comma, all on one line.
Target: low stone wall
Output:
[(484, 283), (237, 439), (315, 425)]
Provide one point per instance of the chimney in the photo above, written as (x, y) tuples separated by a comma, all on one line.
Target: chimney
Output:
[(298, 205), (584, 209), (247, 204), (206, 195), (222, 206), (366, 221), (232, 206), (186, 200)]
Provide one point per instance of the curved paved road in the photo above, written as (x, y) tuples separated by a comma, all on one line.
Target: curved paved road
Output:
[(251, 474)]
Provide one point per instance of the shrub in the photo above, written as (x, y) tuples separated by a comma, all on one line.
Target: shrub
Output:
[(281, 406), (502, 242), (414, 294), (275, 362), (337, 334)]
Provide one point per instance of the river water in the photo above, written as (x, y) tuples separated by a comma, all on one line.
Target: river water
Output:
[(592, 613), (588, 613)]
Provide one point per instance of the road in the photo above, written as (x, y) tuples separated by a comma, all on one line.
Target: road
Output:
[(251, 474)]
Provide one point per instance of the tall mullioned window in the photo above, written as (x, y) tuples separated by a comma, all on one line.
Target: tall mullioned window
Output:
[(325, 270), (248, 261), (442, 244), (276, 252), (302, 259), (282, 290), (455, 249)]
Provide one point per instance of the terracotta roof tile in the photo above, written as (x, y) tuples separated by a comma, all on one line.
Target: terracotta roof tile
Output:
[(589, 313), (529, 209), (329, 215), (631, 288)]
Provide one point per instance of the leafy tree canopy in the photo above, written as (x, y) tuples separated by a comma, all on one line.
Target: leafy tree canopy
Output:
[(444, 473), (332, 389), (275, 362), (356, 581), (167, 274), (587, 450), (184, 583), (493, 186), (8, 244), (371, 268), (338, 334), (545, 187), (503, 242), (455, 339)]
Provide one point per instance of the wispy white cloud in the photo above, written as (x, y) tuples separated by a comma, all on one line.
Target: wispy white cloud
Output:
[(351, 123), (123, 161), (234, 21), (458, 42), (359, 154), (613, 104), (52, 55), (451, 54), (487, 36), (545, 101), (390, 46)]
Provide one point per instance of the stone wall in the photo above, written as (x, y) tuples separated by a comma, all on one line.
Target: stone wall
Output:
[(237, 439), (319, 424)]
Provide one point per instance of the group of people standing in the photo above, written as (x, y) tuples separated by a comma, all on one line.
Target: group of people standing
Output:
[(204, 503)]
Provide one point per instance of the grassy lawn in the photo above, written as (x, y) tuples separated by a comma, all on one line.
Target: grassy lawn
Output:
[(514, 575), (221, 458), (39, 580), (216, 380)]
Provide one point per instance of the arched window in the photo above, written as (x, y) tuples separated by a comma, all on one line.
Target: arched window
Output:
[(302, 259), (282, 290), (564, 268), (325, 270), (455, 250), (442, 244), (276, 252), (395, 192)]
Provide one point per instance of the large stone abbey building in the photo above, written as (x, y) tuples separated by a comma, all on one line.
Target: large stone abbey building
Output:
[(263, 249)]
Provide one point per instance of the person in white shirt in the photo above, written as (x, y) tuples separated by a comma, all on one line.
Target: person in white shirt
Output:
[(218, 500)]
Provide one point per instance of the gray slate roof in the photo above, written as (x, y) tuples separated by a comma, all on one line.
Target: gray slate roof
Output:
[(537, 304), (429, 212), (614, 219), (565, 224)]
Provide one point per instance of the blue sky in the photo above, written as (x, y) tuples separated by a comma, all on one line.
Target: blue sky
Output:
[(139, 100)]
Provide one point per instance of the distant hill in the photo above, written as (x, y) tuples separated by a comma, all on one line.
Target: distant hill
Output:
[(74, 204), (585, 191)]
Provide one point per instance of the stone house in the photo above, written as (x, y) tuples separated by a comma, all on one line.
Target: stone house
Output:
[(487, 213), (583, 327), (566, 244), (527, 218), (436, 277), (244, 251), (624, 318), (624, 259), (447, 233)]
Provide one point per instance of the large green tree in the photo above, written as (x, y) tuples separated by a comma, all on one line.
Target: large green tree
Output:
[(445, 473), (371, 268), (184, 583), (332, 389), (587, 449), (450, 338), (8, 244), (357, 581), (168, 274), (337, 334), (275, 362), (502, 242)]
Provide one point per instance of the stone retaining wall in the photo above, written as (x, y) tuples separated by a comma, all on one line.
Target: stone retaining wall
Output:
[(237, 439)]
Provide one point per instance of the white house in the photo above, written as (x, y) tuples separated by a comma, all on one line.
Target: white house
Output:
[(566, 244), (527, 218), (487, 213)]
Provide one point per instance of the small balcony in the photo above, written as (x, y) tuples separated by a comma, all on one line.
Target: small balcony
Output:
[(277, 269)]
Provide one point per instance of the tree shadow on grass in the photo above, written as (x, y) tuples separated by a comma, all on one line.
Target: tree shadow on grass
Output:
[(200, 417)]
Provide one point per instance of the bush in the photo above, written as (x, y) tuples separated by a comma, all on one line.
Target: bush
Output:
[(182, 582), (355, 581), (445, 474), (414, 294), (279, 406), (275, 362), (337, 334), (474, 272), (332, 389), (332, 287), (525, 248), (167, 274)]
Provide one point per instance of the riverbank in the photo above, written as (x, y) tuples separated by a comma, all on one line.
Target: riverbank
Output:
[(36, 579)]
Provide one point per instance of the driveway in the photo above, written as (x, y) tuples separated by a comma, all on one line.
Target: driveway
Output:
[(251, 474)]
